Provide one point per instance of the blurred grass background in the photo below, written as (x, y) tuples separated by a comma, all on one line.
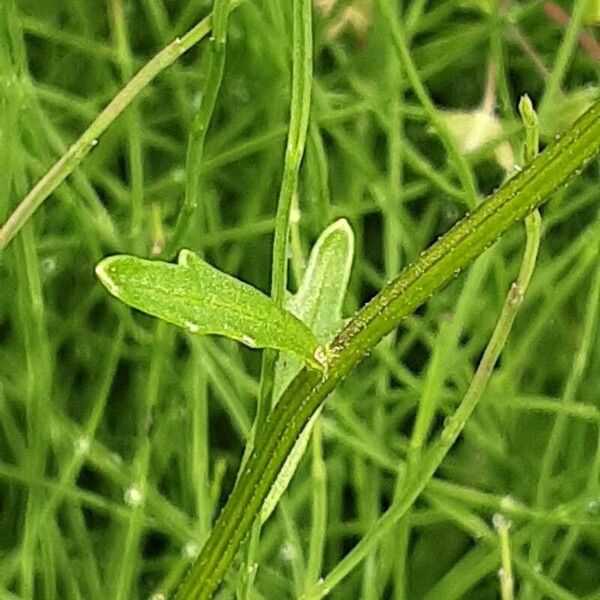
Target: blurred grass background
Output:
[(120, 437)]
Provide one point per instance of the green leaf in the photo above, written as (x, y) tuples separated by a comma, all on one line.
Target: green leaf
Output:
[(318, 303), (203, 300)]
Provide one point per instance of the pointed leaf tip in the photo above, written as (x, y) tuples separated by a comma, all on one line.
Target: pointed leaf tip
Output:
[(319, 304)]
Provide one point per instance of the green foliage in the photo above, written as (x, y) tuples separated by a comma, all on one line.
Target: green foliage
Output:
[(517, 199), (121, 437), (319, 299), (318, 304), (196, 296)]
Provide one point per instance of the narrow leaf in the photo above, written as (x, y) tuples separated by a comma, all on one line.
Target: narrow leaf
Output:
[(318, 303), (194, 295)]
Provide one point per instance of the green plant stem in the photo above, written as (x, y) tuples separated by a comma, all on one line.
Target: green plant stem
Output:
[(73, 465), (501, 333), (559, 432), (201, 122), (318, 524), (466, 240), (564, 54), (399, 40), (416, 477), (135, 154), (133, 529), (296, 141), (417, 481), (79, 150), (30, 310)]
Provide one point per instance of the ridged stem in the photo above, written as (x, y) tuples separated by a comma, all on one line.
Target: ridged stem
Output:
[(550, 171)]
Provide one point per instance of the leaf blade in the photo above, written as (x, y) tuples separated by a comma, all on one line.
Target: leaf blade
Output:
[(196, 296), (318, 303)]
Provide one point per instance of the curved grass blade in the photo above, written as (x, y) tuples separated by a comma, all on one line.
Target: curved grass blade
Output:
[(203, 300)]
